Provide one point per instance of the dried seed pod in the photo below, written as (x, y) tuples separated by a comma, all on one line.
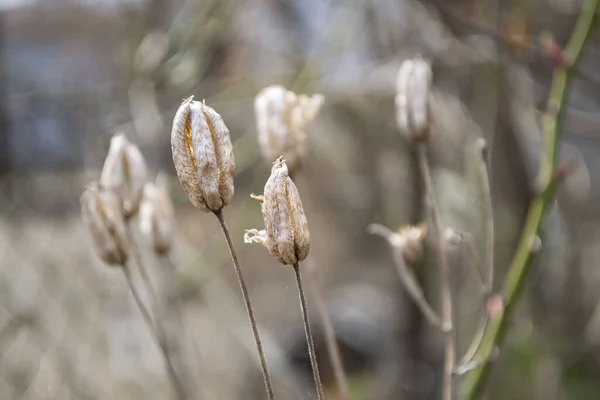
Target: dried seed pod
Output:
[(203, 155), (413, 92), (286, 229), (157, 217), (101, 212), (411, 243), (124, 172), (282, 120)]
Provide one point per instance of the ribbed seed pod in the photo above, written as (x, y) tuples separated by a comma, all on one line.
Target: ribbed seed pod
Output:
[(101, 212), (286, 233), (203, 155), (282, 120), (413, 92), (157, 215), (124, 172)]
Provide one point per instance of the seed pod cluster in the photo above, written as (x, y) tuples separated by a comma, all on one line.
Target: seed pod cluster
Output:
[(203, 155), (102, 215), (157, 216), (282, 120), (124, 172), (286, 234), (413, 93)]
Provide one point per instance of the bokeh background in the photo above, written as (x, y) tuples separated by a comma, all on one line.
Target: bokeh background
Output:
[(74, 72)]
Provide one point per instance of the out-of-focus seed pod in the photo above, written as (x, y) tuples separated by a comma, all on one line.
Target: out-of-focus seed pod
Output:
[(124, 172), (102, 215), (282, 120), (203, 155), (410, 243), (157, 217), (286, 229), (413, 92)]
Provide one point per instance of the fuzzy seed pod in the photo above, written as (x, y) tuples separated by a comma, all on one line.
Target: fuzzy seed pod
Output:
[(413, 92), (282, 120), (101, 212), (157, 215), (411, 243), (203, 155), (124, 172), (286, 229)]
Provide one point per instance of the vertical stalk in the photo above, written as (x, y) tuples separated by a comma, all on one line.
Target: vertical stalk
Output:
[(157, 335), (526, 249), (331, 344), (309, 339), (246, 296), (447, 326)]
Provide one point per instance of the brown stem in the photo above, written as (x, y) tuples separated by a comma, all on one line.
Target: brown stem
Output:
[(450, 349), (309, 339), (157, 335), (246, 296), (331, 344)]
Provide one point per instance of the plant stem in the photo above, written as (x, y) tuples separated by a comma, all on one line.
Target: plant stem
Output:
[(526, 249), (411, 285), (489, 256), (157, 335), (246, 296), (309, 339), (450, 348), (331, 344)]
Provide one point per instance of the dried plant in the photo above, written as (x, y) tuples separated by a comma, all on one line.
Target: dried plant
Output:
[(203, 158), (124, 172), (413, 92), (287, 238), (102, 213), (282, 120), (157, 215)]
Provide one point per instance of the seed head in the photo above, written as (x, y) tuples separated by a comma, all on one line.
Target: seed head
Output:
[(101, 212), (157, 215), (286, 229), (124, 172), (408, 241), (282, 120), (203, 155), (413, 92)]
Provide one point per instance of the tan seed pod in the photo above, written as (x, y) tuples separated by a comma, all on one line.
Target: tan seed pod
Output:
[(282, 121), (286, 234), (124, 172), (413, 93), (157, 216), (411, 243), (203, 155), (101, 212)]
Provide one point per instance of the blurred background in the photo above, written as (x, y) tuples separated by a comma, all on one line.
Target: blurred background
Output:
[(74, 72)]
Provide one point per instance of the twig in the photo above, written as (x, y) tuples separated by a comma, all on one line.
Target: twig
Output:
[(450, 348), (309, 339), (156, 334), (246, 296), (411, 285), (528, 246), (331, 344)]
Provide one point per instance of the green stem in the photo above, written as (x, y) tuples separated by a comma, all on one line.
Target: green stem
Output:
[(557, 104)]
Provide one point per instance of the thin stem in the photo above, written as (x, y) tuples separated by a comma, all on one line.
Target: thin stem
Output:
[(450, 348), (156, 334), (137, 257), (489, 255), (411, 285), (246, 296), (331, 344), (309, 339), (529, 242)]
